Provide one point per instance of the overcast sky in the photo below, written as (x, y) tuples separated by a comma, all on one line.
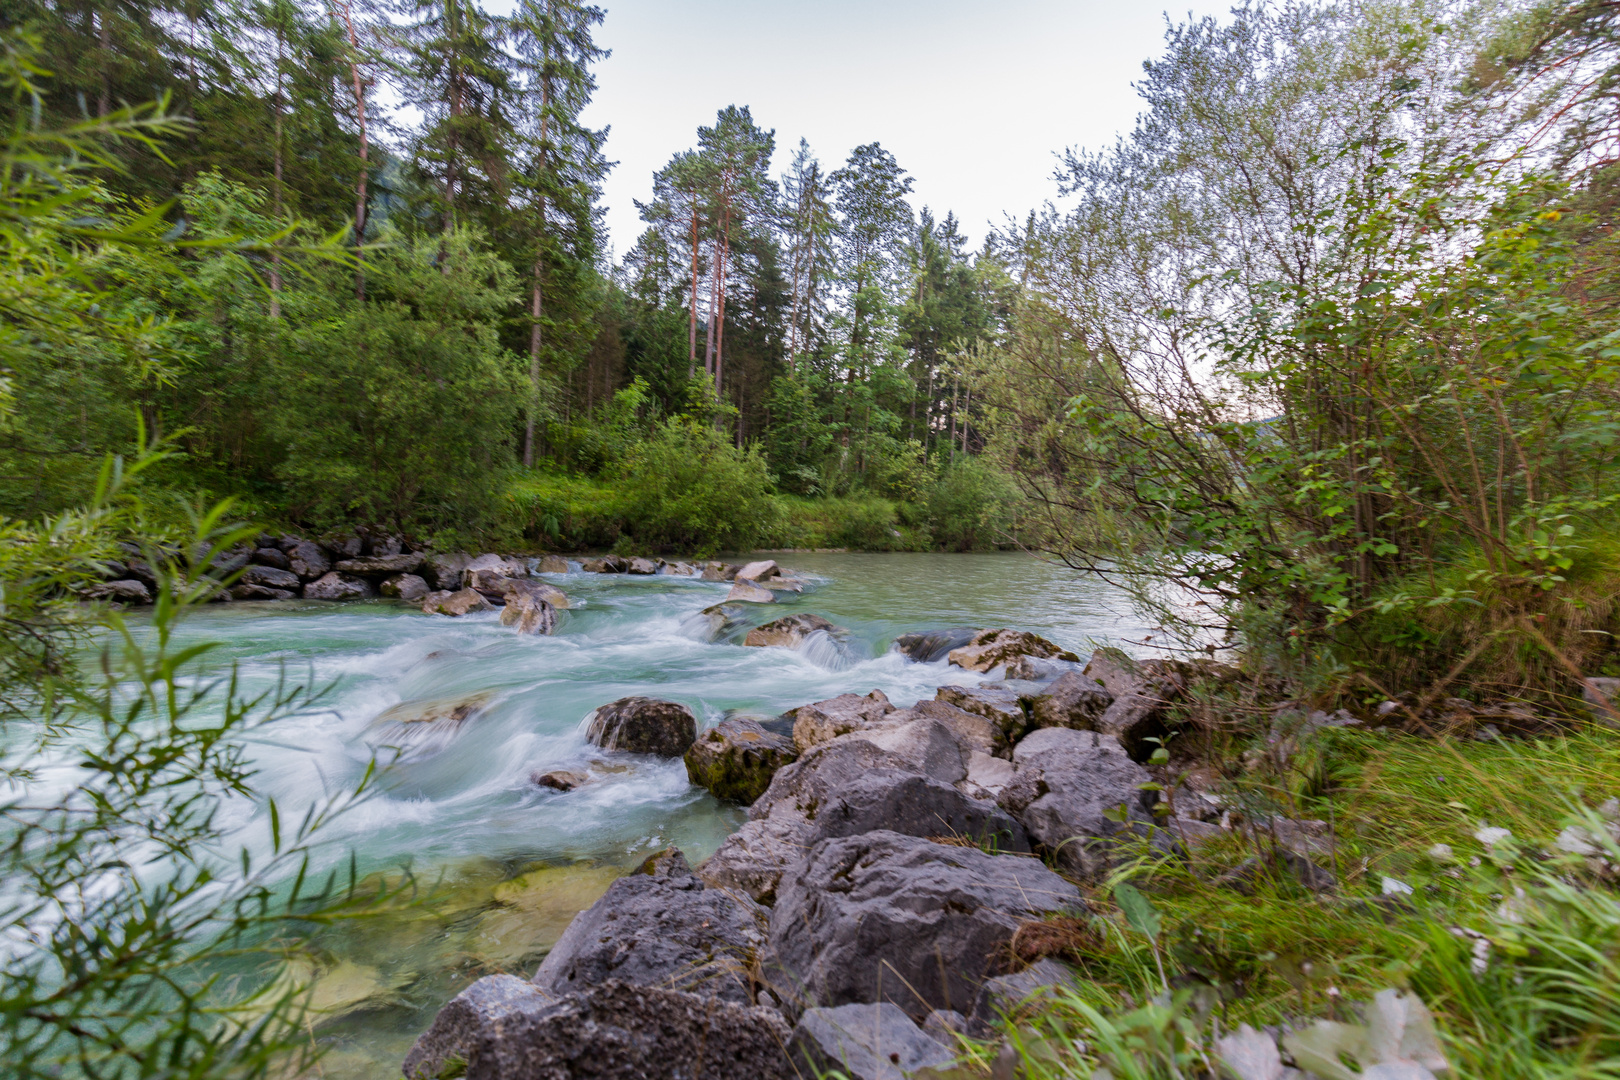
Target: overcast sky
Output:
[(973, 99)]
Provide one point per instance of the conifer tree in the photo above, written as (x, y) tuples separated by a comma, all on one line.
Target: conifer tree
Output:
[(811, 227)]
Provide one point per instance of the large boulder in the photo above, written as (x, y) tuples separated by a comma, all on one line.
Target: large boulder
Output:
[(659, 926), (926, 745), (443, 572), (271, 556), (719, 571), (270, 578), (462, 602), (608, 564), (404, 586), (888, 917), (501, 564), (988, 648), (1002, 706), (242, 591), (642, 567), (503, 1028), (758, 571), (640, 725), (528, 615), (933, 645), (540, 590), (1071, 701), (788, 632), (916, 805), (336, 586), (750, 593), (381, 565), (1078, 794), (123, 591), (737, 758), (553, 564), (307, 560), (1142, 691), (864, 1042), (826, 720)]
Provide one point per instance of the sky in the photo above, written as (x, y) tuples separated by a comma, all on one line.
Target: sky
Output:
[(974, 99)]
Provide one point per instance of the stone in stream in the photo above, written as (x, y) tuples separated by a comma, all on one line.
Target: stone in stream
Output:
[(888, 917), (1069, 790), (736, 759), (529, 615), (678, 569), (643, 567), (336, 586), (782, 584), (381, 565), (749, 592), (505, 1028), (864, 1042), (404, 586), (992, 647), (553, 564), (463, 602), (275, 557), (758, 571), (711, 622), (932, 645), (641, 725), (719, 571), (443, 572), (826, 720), (608, 564), (270, 578), (559, 779), (788, 632), (659, 926), (540, 590), (307, 560), (417, 729)]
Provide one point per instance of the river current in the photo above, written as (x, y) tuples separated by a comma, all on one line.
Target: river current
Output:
[(459, 806)]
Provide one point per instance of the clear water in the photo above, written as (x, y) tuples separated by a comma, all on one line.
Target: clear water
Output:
[(460, 804)]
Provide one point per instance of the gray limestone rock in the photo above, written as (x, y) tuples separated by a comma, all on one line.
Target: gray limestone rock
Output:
[(381, 565), (787, 632), (270, 578), (404, 586), (336, 586), (641, 725), (1071, 701), (737, 759), (826, 720), (529, 615), (124, 591), (750, 593), (462, 602), (307, 560), (998, 704), (1004, 995), (444, 571), (864, 1042), (990, 648)]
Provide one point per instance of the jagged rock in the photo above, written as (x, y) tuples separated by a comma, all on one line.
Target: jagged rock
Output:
[(659, 926), (462, 602), (997, 704), (750, 593), (1142, 689), (916, 805), (719, 571), (973, 731), (553, 564), (987, 776), (711, 622), (540, 590), (443, 572), (1071, 701), (1004, 995), (641, 725), (1067, 791), (336, 586), (504, 1028), (737, 758), (926, 745), (500, 564), (788, 632), (608, 564), (864, 1042), (260, 592), (944, 1025), (343, 545), (888, 917), (642, 567), (123, 591), (307, 560), (992, 647), (404, 586), (1037, 669), (933, 645), (678, 569), (273, 557), (826, 720), (270, 578), (529, 615), (758, 571), (381, 565), (382, 545), (559, 779)]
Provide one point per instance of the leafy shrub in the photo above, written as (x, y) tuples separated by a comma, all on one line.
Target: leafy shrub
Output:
[(971, 506), (689, 488), (567, 512)]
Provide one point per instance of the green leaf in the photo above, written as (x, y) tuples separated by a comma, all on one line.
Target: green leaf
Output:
[(1139, 912)]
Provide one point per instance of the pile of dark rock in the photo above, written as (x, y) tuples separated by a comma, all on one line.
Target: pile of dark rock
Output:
[(868, 909)]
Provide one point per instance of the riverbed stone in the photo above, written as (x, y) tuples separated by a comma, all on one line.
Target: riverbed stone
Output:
[(504, 1028), (608, 564), (930, 646), (660, 926), (748, 592), (758, 571), (719, 571), (269, 577), (736, 759), (553, 564), (419, 729), (988, 648), (788, 632), (1071, 701), (404, 586), (1069, 789), (642, 725), (540, 590), (529, 615), (381, 565), (641, 567), (308, 561), (443, 571), (559, 779), (503, 565), (461, 602), (888, 917), (825, 720), (864, 1042), (336, 586), (272, 556)]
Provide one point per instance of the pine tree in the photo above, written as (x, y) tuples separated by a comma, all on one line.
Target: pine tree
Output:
[(811, 228), (736, 155)]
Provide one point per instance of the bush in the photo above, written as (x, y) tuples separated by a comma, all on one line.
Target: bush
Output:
[(689, 488), (971, 507), (567, 512)]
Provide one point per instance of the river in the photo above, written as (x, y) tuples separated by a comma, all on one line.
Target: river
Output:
[(519, 860)]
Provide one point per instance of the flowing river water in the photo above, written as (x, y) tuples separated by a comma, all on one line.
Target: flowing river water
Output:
[(517, 861)]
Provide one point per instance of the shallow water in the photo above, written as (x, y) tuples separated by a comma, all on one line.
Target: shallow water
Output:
[(458, 801)]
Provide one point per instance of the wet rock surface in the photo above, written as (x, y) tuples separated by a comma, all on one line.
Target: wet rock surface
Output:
[(528, 614), (788, 632), (461, 602), (990, 648), (640, 725), (736, 759), (338, 586), (823, 721), (930, 646)]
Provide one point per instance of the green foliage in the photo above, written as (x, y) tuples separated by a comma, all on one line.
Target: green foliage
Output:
[(689, 487), (972, 506), (567, 513), (400, 409)]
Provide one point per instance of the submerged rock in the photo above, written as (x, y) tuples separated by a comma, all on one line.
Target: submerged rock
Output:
[(864, 1042), (336, 586), (888, 917), (659, 926), (933, 645), (559, 779), (711, 622), (737, 759), (504, 1028), (529, 615), (988, 648), (417, 729), (641, 725), (464, 602), (788, 632), (750, 593)]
